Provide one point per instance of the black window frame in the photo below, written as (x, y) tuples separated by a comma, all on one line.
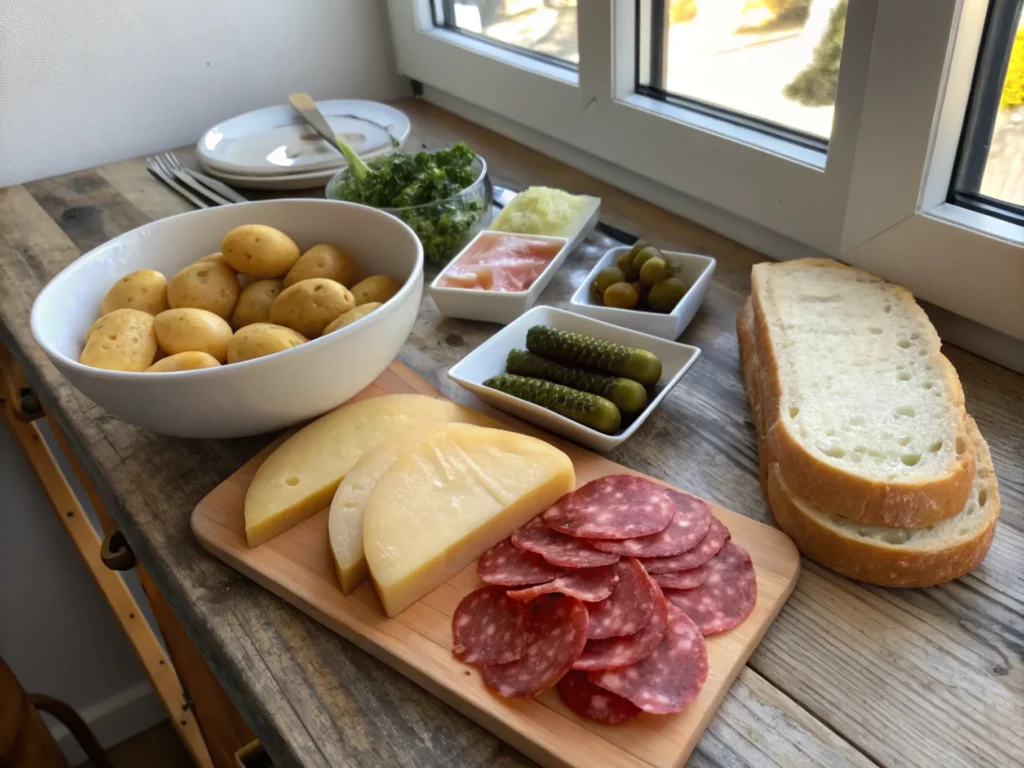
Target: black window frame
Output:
[(1000, 31), (442, 13), (656, 11)]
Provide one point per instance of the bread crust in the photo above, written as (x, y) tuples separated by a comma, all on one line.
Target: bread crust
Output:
[(911, 504), (873, 562)]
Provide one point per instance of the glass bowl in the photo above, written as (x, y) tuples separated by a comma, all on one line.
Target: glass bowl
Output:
[(445, 226)]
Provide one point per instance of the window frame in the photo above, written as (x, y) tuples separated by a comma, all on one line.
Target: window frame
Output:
[(881, 188)]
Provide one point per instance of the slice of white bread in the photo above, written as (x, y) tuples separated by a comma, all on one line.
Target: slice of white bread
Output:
[(888, 556), (863, 413)]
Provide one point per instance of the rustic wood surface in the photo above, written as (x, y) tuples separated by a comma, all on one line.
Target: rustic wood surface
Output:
[(846, 676), (297, 566)]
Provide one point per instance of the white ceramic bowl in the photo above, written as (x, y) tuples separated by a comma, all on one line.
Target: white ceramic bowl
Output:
[(694, 269), (489, 360), (258, 395)]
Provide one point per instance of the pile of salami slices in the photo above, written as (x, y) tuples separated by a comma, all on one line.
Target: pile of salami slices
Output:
[(608, 595)]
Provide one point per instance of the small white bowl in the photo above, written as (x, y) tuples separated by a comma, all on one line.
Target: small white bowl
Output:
[(503, 306), (258, 395), (694, 269), (489, 360)]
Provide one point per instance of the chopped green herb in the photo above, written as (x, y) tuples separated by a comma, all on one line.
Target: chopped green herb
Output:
[(403, 180)]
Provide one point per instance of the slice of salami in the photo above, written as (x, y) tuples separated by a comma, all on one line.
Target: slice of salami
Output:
[(488, 627), (557, 629), (618, 652), (628, 608), (509, 566), (707, 548), (591, 585), (613, 507), (688, 579), (725, 598), (688, 526), (595, 703), (670, 678), (559, 549)]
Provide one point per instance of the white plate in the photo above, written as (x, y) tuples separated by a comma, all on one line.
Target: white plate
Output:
[(275, 140), (504, 306), (293, 181), (489, 360), (694, 269)]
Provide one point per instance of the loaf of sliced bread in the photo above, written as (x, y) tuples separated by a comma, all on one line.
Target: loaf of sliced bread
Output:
[(863, 413), (888, 556)]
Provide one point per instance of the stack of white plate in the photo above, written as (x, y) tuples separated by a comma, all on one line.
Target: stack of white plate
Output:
[(273, 148)]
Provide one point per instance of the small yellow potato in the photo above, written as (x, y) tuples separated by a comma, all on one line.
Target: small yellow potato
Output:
[(351, 316), (375, 288), (218, 258), (311, 305), (254, 302), (188, 329), (322, 260), (205, 285), (261, 339), (145, 290), (122, 340), (183, 361), (213, 258), (259, 250)]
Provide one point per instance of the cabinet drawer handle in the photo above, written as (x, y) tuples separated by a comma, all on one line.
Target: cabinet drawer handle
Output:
[(115, 552)]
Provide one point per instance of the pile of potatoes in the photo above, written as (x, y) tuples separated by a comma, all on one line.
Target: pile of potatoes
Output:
[(257, 296)]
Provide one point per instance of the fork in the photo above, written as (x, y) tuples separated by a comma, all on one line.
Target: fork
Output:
[(168, 169)]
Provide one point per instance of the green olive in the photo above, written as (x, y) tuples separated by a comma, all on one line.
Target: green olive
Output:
[(666, 294), (607, 276), (654, 271), (638, 246), (625, 264), (648, 253), (621, 295)]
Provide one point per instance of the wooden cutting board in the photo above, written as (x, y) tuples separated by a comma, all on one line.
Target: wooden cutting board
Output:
[(297, 567)]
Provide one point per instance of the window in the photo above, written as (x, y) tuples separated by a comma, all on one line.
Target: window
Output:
[(545, 28), (774, 63), (884, 133), (990, 172)]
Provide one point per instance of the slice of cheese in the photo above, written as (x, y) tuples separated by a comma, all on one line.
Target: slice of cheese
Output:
[(345, 524), (445, 501), (299, 478)]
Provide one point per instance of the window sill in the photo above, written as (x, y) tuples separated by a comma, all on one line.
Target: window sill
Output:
[(496, 52), (979, 223), (750, 137)]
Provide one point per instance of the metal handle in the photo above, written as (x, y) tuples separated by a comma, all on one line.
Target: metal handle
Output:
[(115, 552)]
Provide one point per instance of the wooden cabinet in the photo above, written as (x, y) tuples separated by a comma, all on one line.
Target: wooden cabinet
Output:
[(208, 723)]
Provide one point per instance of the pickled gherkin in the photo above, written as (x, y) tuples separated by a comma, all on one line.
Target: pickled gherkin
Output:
[(606, 356), (590, 410), (627, 395)]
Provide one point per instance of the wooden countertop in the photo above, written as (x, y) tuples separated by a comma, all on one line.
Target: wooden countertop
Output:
[(847, 675)]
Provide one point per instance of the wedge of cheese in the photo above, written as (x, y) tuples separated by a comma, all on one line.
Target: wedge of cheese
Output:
[(301, 476), (345, 525), (442, 503)]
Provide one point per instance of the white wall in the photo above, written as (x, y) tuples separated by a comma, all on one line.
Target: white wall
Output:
[(84, 82)]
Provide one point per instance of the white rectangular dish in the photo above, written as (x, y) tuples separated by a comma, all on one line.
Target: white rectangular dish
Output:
[(503, 306), (694, 269), (489, 360)]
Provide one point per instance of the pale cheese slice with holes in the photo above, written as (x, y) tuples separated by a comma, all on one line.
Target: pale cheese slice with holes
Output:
[(300, 477), (445, 501), (345, 524)]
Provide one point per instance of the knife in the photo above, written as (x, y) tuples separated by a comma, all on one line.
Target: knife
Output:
[(303, 104)]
